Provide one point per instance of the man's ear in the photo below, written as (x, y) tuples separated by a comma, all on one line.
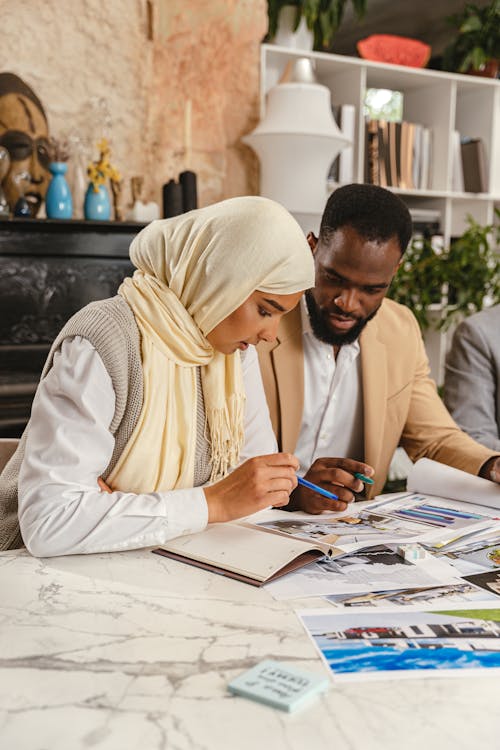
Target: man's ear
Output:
[(312, 241)]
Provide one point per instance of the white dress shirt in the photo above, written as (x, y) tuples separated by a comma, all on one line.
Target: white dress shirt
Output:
[(61, 510), (332, 420)]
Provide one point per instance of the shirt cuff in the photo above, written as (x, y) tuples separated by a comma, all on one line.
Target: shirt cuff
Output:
[(186, 512)]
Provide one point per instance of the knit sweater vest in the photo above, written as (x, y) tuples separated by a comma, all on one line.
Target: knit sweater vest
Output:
[(109, 325)]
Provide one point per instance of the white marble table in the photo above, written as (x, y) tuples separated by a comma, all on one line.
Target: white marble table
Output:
[(132, 650)]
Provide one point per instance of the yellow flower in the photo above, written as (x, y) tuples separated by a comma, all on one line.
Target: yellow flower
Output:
[(98, 171)]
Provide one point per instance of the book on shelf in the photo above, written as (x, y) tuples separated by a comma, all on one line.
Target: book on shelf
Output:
[(475, 177), (408, 138), (248, 553), (426, 160), (398, 154), (416, 161), (457, 174), (394, 161), (372, 153), (383, 154)]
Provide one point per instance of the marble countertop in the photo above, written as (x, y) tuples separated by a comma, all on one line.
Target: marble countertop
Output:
[(133, 650)]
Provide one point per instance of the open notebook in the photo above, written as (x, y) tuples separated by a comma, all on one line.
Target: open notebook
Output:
[(245, 552)]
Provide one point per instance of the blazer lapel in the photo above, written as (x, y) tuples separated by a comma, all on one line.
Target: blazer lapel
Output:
[(374, 378), (288, 363)]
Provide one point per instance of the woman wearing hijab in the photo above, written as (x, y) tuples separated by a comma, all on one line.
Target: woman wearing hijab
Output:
[(147, 391)]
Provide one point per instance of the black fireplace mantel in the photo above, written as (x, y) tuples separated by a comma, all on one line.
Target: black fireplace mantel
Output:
[(49, 269), (70, 237)]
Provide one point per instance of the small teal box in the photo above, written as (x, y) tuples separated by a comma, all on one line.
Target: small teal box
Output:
[(283, 687)]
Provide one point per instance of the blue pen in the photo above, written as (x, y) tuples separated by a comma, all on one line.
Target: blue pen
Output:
[(317, 489)]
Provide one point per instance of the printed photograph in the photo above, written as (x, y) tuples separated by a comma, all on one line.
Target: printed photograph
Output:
[(415, 507), (388, 644), (460, 595), (489, 581), (367, 527), (484, 553)]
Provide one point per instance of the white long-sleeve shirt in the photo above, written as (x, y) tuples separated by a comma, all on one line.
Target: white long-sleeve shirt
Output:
[(332, 418), (61, 510)]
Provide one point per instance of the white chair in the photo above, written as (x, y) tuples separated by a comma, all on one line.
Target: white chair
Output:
[(7, 448)]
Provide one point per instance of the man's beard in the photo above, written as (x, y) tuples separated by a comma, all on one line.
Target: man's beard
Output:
[(321, 327)]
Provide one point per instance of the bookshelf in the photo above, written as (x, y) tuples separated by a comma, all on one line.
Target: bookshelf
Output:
[(441, 101)]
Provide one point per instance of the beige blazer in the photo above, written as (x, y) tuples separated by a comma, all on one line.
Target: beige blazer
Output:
[(400, 401)]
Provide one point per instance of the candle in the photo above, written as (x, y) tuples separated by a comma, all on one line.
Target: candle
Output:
[(187, 133)]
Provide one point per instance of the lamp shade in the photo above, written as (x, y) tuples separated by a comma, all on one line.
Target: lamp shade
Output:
[(296, 142)]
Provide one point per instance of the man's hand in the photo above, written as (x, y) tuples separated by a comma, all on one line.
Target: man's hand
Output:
[(491, 469), (334, 475)]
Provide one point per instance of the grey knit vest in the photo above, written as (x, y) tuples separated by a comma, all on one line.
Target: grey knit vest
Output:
[(109, 325)]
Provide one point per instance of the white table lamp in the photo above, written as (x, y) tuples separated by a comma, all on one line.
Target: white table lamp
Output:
[(296, 143)]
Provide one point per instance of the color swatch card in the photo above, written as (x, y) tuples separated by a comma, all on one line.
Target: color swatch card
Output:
[(279, 686)]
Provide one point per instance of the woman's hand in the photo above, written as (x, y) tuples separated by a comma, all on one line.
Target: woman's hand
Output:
[(335, 475), (103, 486), (256, 484)]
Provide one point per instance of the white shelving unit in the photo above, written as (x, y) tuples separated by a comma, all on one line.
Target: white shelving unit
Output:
[(441, 101)]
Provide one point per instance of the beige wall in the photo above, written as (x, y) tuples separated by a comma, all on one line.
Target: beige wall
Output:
[(75, 53)]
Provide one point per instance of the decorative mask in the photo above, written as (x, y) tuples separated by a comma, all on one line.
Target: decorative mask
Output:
[(24, 133)]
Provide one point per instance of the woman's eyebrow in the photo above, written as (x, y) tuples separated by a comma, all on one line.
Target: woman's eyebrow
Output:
[(275, 304)]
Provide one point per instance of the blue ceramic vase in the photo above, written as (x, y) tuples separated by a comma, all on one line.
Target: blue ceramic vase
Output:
[(58, 203), (97, 205)]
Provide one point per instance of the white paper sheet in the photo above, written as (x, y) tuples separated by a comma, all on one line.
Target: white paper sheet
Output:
[(434, 478)]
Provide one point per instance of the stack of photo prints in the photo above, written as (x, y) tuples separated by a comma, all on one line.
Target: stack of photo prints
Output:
[(415, 587)]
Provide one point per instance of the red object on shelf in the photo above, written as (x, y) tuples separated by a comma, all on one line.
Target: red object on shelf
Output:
[(398, 50)]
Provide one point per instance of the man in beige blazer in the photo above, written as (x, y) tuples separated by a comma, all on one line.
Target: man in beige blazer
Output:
[(348, 367)]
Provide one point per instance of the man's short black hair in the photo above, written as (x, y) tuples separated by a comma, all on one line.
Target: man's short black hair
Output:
[(373, 212)]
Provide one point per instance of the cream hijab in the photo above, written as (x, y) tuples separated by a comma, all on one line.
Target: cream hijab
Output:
[(192, 272)]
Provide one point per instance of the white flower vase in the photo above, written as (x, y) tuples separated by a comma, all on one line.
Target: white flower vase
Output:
[(303, 38)]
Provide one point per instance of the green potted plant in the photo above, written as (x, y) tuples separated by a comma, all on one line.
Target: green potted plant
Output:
[(473, 270), (458, 280), (419, 281), (322, 17), (476, 48)]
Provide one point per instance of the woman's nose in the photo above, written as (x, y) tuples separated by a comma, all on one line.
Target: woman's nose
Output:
[(270, 330)]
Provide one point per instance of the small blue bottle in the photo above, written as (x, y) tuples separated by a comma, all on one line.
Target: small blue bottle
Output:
[(97, 205), (58, 202)]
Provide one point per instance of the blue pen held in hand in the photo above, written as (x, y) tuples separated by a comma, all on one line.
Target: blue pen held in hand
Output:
[(317, 489), (325, 493)]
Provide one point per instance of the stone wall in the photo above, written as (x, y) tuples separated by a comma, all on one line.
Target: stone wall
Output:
[(142, 61)]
